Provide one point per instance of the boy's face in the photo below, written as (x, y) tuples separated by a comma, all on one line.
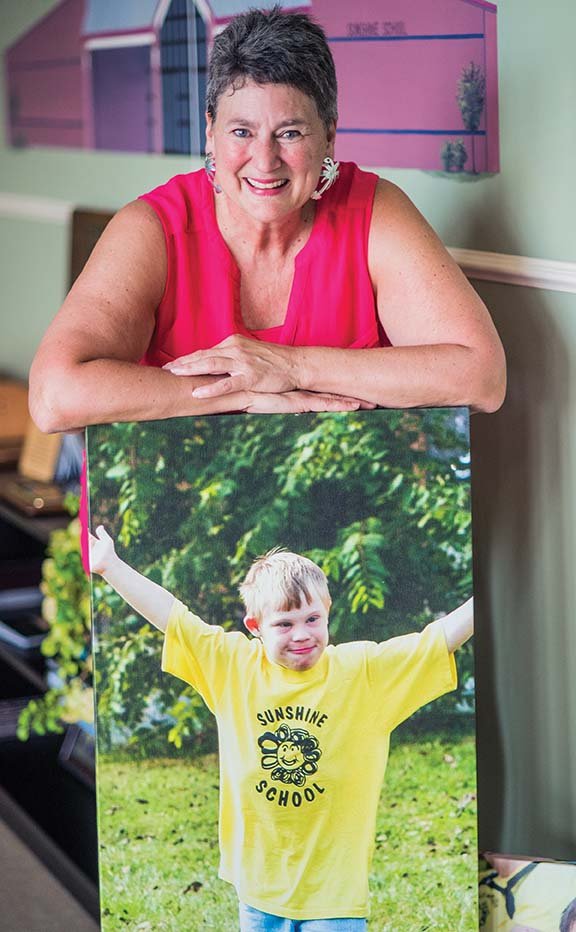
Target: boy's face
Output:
[(295, 639)]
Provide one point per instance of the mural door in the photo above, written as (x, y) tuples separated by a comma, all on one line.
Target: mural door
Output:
[(122, 99)]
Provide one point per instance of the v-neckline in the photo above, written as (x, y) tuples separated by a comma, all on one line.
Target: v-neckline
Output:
[(285, 332)]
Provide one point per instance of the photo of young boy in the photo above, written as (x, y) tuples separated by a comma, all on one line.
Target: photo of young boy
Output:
[(303, 724)]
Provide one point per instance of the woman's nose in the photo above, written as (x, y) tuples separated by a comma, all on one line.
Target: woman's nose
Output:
[(265, 155)]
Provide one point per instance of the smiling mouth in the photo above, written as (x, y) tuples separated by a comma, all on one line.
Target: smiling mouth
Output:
[(266, 185)]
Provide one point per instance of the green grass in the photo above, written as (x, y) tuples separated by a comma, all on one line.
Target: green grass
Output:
[(424, 872), (159, 850)]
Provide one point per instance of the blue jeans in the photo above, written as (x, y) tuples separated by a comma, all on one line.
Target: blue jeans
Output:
[(253, 920)]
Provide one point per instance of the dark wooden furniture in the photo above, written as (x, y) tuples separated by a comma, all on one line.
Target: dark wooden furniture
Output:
[(44, 803)]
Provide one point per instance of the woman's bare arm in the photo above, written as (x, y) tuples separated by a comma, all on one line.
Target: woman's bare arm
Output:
[(445, 347), (86, 370), (442, 336)]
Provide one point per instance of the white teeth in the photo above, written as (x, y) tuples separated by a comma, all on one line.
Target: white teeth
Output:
[(265, 186)]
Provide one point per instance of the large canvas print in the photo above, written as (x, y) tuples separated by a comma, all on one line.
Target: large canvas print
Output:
[(312, 574)]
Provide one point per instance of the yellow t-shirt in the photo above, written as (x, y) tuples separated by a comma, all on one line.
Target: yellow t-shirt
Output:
[(539, 898), (303, 756)]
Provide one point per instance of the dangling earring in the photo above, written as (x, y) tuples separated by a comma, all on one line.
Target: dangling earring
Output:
[(328, 176), (210, 169)]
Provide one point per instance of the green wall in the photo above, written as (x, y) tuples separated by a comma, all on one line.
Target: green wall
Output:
[(525, 456)]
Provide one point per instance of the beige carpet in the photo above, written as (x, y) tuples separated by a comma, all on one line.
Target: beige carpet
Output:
[(31, 898)]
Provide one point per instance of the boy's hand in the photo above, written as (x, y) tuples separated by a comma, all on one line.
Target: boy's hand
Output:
[(102, 552)]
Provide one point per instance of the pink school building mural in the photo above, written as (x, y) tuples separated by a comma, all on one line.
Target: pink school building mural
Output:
[(417, 78)]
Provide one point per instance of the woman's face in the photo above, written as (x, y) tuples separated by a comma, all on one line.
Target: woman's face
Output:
[(268, 142)]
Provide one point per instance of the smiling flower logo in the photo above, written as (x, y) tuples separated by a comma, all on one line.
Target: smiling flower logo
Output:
[(290, 753)]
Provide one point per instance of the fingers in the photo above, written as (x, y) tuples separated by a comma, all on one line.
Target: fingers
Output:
[(325, 402), (199, 364), (191, 357), (271, 403), (299, 402), (102, 550), (235, 340), (234, 383), (207, 355), (102, 534), (343, 402)]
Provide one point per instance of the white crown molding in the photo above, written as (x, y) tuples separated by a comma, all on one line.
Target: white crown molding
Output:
[(547, 274), (41, 209)]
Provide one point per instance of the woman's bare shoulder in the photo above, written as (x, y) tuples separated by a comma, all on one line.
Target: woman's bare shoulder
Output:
[(421, 294), (399, 234), (135, 227), (128, 262), (393, 211)]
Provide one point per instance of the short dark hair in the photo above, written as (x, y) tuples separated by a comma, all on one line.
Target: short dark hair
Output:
[(568, 917), (274, 47)]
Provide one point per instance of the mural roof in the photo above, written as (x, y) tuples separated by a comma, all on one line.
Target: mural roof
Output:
[(224, 8), (112, 16)]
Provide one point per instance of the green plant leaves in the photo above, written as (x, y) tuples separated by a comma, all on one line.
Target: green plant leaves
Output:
[(66, 608)]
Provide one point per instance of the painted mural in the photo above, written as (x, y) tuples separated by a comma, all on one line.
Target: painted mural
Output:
[(418, 83)]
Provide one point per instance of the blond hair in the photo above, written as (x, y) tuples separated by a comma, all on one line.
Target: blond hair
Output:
[(282, 581)]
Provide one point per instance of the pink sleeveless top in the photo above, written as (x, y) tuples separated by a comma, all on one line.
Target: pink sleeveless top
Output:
[(331, 303), (332, 299)]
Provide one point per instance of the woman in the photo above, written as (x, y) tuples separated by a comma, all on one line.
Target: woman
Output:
[(242, 291)]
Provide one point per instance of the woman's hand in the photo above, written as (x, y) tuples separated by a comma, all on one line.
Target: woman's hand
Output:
[(102, 552), (244, 364), (300, 402)]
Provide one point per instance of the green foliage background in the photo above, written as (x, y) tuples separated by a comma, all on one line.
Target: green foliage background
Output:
[(380, 499)]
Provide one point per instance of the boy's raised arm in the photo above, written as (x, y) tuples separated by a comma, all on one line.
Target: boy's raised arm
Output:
[(459, 625), (149, 599)]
